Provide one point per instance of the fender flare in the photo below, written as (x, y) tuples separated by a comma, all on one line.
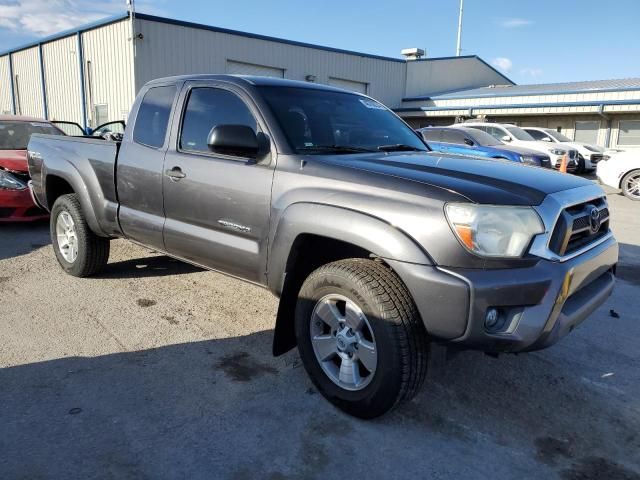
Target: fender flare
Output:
[(74, 179), (338, 223)]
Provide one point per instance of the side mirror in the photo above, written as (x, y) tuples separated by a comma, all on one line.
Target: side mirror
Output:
[(546, 139), (506, 138), (469, 142), (236, 140)]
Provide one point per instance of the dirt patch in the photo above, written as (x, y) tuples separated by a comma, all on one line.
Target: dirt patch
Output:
[(628, 273), (4, 279), (171, 319), (240, 367), (145, 302), (549, 449), (597, 468)]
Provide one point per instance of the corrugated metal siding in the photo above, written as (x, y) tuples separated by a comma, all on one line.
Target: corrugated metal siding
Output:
[(5, 86), (173, 50), (431, 77), (28, 85), (359, 87), (62, 79), (108, 65), (242, 68)]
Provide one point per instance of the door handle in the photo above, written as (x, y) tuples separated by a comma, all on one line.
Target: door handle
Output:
[(175, 174)]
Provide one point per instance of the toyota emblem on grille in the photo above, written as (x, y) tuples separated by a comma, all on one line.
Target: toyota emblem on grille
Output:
[(594, 219)]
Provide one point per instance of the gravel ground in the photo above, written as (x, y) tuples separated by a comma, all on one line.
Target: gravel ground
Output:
[(156, 369)]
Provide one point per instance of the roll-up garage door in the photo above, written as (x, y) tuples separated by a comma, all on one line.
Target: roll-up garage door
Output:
[(352, 85), (241, 68)]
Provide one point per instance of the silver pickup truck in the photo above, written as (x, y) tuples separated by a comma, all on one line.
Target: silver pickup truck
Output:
[(375, 245)]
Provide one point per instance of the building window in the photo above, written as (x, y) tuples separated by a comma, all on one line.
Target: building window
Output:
[(629, 132), (153, 116), (587, 132)]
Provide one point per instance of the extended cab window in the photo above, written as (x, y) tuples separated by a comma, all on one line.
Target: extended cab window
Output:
[(206, 108), (153, 116)]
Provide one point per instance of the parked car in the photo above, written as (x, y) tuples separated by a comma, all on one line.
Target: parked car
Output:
[(514, 135), (374, 245), (16, 204), (588, 154), (471, 141), (621, 170)]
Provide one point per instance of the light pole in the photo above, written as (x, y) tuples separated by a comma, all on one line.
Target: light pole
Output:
[(459, 46)]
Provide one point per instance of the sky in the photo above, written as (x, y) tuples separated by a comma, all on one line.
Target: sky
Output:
[(531, 41)]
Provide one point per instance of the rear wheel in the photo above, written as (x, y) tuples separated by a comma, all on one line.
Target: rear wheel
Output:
[(79, 251), (630, 185), (581, 165), (360, 337)]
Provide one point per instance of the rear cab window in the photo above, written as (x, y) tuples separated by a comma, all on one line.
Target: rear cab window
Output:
[(153, 116), (15, 135)]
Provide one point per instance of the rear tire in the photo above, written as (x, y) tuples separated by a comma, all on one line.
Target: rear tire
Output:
[(79, 251), (389, 353), (630, 185)]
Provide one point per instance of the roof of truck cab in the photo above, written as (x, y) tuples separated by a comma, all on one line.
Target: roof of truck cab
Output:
[(248, 79)]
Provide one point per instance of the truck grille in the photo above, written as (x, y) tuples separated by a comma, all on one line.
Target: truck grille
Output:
[(579, 226)]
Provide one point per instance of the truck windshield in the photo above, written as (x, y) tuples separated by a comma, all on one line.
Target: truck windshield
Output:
[(520, 134), (558, 136), (15, 135), (321, 121)]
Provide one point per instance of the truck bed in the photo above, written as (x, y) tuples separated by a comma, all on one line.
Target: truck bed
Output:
[(86, 164)]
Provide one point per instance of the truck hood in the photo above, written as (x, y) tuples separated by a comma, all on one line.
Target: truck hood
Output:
[(14, 160), (485, 181)]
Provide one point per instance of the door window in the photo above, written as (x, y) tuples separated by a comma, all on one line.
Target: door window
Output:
[(431, 134), (453, 136), (538, 135), (207, 108), (153, 116)]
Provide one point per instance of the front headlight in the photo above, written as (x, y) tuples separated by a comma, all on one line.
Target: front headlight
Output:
[(557, 151), (530, 160), (494, 231), (10, 182)]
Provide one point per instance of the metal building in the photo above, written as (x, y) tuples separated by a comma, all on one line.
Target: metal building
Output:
[(90, 76)]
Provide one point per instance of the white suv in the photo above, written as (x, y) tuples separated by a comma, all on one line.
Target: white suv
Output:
[(588, 155), (514, 135)]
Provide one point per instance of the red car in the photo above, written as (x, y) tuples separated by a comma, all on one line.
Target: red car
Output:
[(16, 204)]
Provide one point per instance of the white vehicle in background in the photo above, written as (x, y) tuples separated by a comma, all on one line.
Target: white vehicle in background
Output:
[(514, 135), (588, 154), (621, 170)]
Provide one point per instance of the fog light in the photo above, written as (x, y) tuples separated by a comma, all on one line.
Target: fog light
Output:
[(491, 319)]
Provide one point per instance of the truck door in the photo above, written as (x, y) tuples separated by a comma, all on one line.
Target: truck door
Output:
[(140, 167), (217, 206)]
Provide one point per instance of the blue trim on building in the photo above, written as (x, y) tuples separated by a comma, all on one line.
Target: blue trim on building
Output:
[(200, 26), (68, 33), (519, 105), (12, 86), (45, 108), (83, 94), (499, 92)]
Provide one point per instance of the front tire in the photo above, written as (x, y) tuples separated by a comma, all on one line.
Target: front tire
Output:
[(360, 337), (630, 185), (79, 251)]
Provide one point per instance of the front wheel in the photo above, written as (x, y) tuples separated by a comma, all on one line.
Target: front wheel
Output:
[(360, 337), (631, 185), (79, 251)]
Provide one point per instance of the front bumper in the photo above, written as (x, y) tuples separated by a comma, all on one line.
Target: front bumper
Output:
[(17, 206), (540, 304)]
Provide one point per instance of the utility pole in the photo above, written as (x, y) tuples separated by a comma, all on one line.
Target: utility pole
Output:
[(459, 47)]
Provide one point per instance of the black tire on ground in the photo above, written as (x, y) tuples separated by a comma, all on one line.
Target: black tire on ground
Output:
[(632, 195), (93, 251), (581, 165), (401, 340)]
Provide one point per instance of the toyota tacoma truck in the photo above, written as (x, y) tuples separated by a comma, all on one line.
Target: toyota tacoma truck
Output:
[(375, 246)]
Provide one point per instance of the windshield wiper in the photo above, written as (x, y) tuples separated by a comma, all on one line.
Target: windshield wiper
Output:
[(336, 148), (399, 147)]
